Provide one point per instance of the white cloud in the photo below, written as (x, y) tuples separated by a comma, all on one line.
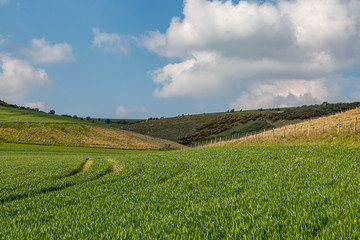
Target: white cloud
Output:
[(121, 112), (224, 48), (4, 2), (19, 78), (288, 93), (33, 105), (110, 42), (41, 51)]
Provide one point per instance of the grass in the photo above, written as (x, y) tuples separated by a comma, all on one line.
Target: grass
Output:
[(14, 115), (338, 129), (177, 127), (222, 192), (32, 127)]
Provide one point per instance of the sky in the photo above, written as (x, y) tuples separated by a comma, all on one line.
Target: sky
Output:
[(141, 59)]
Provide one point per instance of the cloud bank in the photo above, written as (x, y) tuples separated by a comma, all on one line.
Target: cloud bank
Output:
[(19, 75), (270, 54), (19, 78)]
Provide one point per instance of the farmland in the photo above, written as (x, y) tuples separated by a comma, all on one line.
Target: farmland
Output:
[(31, 127), (220, 192)]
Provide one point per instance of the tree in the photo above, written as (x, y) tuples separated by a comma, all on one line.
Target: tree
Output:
[(52, 111), (107, 121)]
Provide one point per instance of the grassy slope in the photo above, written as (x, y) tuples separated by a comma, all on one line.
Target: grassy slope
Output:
[(14, 115), (178, 127), (214, 193), (31, 127), (322, 131)]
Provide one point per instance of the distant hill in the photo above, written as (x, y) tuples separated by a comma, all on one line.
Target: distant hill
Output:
[(25, 126), (203, 127), (337, 129)]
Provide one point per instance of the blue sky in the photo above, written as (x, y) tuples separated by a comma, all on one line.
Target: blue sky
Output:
[(139, 59)]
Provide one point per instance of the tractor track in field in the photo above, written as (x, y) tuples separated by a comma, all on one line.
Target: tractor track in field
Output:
[(111, 169), (85, 165), (115, 167), (171, 176)]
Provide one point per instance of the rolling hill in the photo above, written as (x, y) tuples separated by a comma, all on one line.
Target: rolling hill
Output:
[(206, 127), (18, 125), (337, 129)]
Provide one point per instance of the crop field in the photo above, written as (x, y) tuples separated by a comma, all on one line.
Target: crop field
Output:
[(221, 192)]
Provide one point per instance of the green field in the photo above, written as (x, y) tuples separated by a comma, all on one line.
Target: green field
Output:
[(227, 192), (10, 114), (24, 126)]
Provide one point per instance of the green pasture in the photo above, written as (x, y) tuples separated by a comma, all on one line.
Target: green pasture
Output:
[(10, 114), (251, 192)]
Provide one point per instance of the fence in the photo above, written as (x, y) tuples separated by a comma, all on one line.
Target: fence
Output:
[(307, 128)]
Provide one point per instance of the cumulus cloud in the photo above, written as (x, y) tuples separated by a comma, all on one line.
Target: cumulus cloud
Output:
[(226, 48), (110, 42), (34, 105), (19, 75), (19, 78), (41, 51), (123, 112), (286, 93)]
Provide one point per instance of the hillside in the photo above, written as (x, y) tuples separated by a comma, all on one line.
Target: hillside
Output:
[(206, 127), (338, 129), (32, 127)]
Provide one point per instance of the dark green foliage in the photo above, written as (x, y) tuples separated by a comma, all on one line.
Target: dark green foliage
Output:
[(227, 121), (52, 111), (107, 121), (254, 127)]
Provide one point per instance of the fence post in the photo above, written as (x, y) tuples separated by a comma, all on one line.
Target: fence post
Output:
[(295, 130), (273, 132), (338, 128), (308, 133), (355, 125), (284, 132)]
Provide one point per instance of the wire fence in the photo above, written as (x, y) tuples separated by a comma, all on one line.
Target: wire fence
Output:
[(307, 128)]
